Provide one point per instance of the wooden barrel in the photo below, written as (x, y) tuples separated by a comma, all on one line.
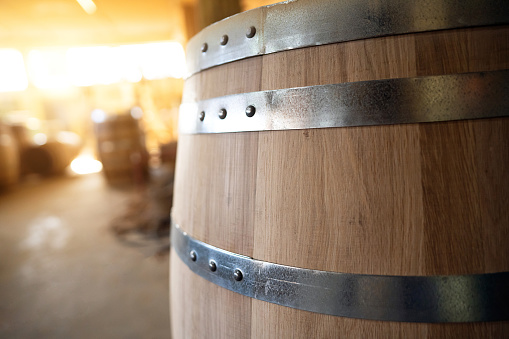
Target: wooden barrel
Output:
[(121, 147), (20, 133), (368, 167), (9, 160), (53, 156)]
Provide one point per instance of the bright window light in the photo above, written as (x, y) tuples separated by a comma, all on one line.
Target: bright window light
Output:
[(128, 58), (88, 66), (162, 60), (46, 69), (13, 75), (88, 6)]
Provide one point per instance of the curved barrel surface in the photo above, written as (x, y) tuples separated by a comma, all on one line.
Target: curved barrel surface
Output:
[(406, 198)]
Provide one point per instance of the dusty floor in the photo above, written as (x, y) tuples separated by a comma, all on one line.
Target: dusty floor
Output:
[(63, 274)]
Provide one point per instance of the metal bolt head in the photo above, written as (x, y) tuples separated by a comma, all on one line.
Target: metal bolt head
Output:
[(212, 265), (237, 275), (222, 113), (192, 255), (204, 47), (202, 115), (224, 40), (250, 110), (251, 31)]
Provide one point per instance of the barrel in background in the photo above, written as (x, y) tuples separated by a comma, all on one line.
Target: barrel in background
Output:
[(9, 159), (121, 149), (52, 156)]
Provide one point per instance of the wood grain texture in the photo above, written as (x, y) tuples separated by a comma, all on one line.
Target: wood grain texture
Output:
[(401, 56), (351, 193), (415, 199), (224, 316), (217, 81), (223, 176), (273, 321), (493, 181)]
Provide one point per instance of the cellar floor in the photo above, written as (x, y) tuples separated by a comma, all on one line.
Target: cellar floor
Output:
[(64, 274)]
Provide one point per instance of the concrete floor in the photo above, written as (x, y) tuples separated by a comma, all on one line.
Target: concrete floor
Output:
[(63, 274)]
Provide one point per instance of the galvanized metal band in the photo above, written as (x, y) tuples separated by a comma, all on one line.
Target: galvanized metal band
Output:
[(302, 23), (430, 299), (380, 102)]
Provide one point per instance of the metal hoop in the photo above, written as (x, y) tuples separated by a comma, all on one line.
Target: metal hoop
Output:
[(303, 23), (366, 103), (431, 299)]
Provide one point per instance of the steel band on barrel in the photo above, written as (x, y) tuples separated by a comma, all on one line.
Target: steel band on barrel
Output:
[(271, 29), (429, 299), (365, 103)]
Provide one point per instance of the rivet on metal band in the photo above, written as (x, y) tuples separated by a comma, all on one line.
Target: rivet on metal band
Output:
[(430, 299), (379, 102), (303, 23)]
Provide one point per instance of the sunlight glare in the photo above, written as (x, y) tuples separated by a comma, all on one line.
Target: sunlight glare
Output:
[(13, 76), (86, 164), (88, 6), (46, 69)]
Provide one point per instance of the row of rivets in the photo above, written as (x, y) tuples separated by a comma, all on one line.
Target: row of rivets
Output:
[(251, 32), (250, 111), (237, 274)]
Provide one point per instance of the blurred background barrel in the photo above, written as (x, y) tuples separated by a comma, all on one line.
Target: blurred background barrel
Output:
[(53, 157), (417, 199), (21, 135), (9, 159), (121, 149)]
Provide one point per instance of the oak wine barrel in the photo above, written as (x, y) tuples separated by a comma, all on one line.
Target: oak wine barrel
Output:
[(9, 160), (121, 148), (342, 172), (52, 156)]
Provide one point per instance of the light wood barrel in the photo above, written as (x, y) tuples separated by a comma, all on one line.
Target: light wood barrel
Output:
[(420, 199), (9, 159)]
